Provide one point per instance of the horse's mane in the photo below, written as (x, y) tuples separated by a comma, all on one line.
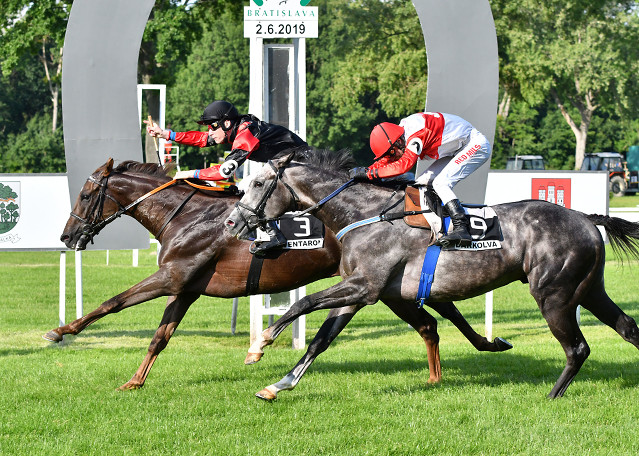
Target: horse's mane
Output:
[(341, 160), (151, 169)]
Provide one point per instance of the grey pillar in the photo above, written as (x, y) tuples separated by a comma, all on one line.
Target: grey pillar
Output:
[(463, 71), (99, 99)]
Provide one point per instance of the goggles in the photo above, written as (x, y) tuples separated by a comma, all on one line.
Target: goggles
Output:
[(215, 124), (400, 144)]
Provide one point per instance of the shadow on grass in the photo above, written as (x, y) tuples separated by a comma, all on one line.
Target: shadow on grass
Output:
[(486, 370)]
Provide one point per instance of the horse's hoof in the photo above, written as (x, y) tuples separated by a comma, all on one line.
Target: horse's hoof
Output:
[(128, 386), (252, 358), (266, 394), (502, 344), (52, 336)]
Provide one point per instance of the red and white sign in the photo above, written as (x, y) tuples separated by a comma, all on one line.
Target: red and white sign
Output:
[(582, 191), (553, 190)]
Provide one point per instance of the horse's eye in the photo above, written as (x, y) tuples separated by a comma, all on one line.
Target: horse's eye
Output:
[(85, 196), (259, 184)]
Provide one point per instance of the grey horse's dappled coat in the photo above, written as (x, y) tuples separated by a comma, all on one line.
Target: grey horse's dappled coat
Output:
[(558, 251)]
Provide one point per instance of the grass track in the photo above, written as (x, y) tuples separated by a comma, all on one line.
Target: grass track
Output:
[(366, 395)]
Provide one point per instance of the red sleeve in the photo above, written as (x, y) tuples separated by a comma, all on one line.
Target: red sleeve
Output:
[(386, 168), (211, 174), (245, 140), (192, 138)]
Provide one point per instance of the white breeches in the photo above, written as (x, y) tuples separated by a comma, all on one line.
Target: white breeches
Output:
[(446, 172)]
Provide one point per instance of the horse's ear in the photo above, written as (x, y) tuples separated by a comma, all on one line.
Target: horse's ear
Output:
[(283, 160), (108, 167)]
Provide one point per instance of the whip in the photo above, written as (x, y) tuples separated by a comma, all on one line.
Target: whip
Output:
[(155, 141)]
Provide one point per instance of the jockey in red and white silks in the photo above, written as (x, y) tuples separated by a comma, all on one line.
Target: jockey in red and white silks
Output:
[(449, 145)]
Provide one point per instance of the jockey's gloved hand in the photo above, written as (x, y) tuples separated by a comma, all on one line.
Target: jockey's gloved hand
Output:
[(359, 173)]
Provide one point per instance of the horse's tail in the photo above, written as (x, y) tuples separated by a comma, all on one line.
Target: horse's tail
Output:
[(623, 235)]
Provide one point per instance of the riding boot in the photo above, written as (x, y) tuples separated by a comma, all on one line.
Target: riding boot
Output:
[(277, 240), (459, 235)]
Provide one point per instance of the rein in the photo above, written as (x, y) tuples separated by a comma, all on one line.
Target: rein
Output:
[(91, 228), (258, 217), (322, 201)]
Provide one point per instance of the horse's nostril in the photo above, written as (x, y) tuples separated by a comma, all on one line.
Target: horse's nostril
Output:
[(229, 223)]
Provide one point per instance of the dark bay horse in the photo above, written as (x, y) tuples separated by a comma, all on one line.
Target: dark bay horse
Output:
[(558, 251), (198, 257)]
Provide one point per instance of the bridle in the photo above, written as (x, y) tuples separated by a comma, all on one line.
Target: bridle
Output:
[(91, 227), (258, 217)]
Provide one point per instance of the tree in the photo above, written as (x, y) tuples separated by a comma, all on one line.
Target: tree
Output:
[(217, 67), (166, 42), (22, 95), (582, 54), (368, 66), (37, 28), (36, 149)]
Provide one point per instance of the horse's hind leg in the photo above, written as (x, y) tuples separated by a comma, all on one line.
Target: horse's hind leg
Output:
[(426, 325), (562, 321), (449, 311), (175, 309), (609, 313), (150, 288), (335, 322)]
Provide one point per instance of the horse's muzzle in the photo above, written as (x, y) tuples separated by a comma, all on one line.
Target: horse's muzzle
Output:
[(75, 244), (236, 226)]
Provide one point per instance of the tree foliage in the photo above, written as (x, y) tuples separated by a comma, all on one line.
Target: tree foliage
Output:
[(36, 28), (577, 54), (567, 68)]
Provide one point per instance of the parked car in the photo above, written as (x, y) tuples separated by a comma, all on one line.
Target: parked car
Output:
[(525, 162)]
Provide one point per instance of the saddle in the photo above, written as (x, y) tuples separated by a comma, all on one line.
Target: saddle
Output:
[(412, 205), (430, 214)]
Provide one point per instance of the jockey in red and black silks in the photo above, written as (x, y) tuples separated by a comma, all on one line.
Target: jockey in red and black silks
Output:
[(450, 147), (250, 139)]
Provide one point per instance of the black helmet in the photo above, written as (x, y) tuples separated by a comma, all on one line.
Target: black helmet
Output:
[(218, 110)]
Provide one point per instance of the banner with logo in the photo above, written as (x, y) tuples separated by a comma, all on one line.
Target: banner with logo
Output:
[(280, 19), (584, 191), (33, 211)]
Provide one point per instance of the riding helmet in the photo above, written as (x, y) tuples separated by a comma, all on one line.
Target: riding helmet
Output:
[(218, 111), (383, 137)]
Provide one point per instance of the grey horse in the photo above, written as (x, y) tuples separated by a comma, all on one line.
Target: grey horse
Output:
[(558, 251)]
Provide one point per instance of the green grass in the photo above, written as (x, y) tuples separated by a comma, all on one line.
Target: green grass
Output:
[(625, 201), (366, 395)]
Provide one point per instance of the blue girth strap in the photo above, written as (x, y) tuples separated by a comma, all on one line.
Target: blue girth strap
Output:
[(428, 273)]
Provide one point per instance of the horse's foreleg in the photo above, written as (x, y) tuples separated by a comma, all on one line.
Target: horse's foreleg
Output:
[(351, 291), (426, 325), (336, 320), (150, 288), (449, 311), (173, 313)]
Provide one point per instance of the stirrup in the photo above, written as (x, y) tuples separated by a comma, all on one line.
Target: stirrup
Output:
[(262, 247), (447, 241)]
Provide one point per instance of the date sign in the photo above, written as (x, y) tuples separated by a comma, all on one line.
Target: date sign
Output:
[(280, 22)]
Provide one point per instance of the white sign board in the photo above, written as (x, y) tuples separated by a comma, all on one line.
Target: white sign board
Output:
[(34, 208), (278, 21), (583, 191)]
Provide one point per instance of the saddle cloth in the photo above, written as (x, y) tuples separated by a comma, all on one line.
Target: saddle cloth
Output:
[(484, 225), (303, 232)]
